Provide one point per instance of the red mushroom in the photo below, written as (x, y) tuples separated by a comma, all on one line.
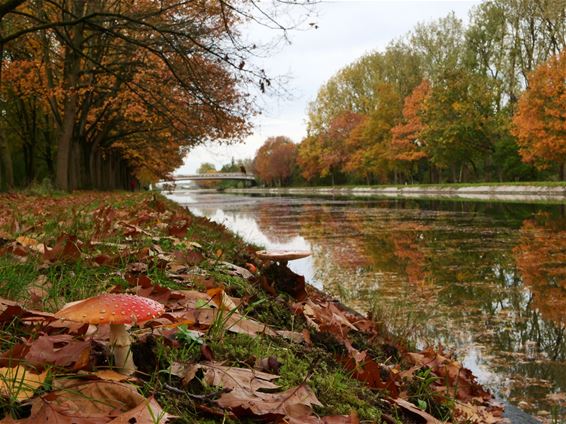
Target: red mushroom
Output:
[(116, 310)]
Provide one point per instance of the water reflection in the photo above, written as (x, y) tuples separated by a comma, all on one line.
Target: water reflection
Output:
[(485, 280)]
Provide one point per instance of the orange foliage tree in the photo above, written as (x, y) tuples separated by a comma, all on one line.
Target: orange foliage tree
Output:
[(407, 145), (125, 87), (540, 120), (327, 152), (369, 140), (275, 161)]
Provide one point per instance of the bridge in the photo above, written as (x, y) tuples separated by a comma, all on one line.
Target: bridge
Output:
[(215, 176), (238, 176)]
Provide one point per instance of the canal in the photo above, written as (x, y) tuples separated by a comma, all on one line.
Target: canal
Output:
[(484, 281)]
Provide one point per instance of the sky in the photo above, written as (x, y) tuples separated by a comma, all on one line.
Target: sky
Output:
[(346, 30)]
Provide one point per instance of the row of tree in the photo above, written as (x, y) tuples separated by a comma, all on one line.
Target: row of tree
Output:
[(105, 94), (448, 102)]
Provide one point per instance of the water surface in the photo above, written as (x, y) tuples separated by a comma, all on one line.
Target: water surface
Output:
[(487, 281)]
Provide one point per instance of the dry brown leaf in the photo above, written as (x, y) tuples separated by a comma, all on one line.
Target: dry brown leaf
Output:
[(110, 375), (412, 409), (294, 402), (293, 336), (236, 323), (334, 419), (94, 402), (67, 248), (231, 377), (61, 350), (38, 291), (221, 299), (148, 412), (452, 374), (477, 414)]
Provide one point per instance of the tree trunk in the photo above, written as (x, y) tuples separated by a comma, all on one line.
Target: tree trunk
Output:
[(65, 144), (5, 157), (562, 171), (72, 65), (6, 161)]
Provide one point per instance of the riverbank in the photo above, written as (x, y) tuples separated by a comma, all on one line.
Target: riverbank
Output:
[(241, 338), (499, 192)]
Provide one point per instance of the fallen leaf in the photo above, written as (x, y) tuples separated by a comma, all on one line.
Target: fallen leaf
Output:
[(18, 383), (61, 350), (408, 407), (110, 375), (231, 377), (294, 402), (148, 411), (221, 299), (206, 352), (66, 249), (334, 419), (93, 402)]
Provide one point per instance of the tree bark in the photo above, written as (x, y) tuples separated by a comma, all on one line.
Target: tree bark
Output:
[(6, 161), (72, 64)]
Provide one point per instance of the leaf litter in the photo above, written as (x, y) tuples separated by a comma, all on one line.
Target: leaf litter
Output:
[(62, 370)]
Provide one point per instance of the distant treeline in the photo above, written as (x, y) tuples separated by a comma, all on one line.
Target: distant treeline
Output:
[(448, 102)]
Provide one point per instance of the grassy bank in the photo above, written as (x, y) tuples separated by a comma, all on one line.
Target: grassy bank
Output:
[(241, 339)]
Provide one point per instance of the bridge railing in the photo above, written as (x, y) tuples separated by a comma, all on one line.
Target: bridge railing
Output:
[(215, 176)]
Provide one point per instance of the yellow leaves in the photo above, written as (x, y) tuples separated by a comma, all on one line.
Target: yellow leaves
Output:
[(20, 384)]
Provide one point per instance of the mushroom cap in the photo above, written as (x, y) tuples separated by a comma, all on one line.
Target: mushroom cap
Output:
[(282, 255), (112, 309)]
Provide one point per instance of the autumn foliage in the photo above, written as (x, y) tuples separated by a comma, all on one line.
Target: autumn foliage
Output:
[(407, 143), (274, 162), (540, 120), (101, 93), (437, 104)]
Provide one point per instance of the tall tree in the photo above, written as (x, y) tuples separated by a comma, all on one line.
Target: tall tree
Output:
[(439, 45), (407, 143), (367, 148), (275, 161), (180, 66), (458, 120), (540, 121)]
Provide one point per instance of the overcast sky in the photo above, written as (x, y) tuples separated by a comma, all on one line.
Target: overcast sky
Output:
[(346, 30)]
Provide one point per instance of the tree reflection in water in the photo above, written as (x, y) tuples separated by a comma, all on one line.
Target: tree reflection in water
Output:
[(485, 280)]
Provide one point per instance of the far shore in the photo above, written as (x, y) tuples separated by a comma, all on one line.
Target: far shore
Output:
[(500, 192)]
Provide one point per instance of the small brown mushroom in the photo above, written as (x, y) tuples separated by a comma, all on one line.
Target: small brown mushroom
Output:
[(282, 256), (116, 310)]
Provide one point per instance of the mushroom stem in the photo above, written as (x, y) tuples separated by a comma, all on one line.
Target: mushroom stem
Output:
[(120, 343)]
